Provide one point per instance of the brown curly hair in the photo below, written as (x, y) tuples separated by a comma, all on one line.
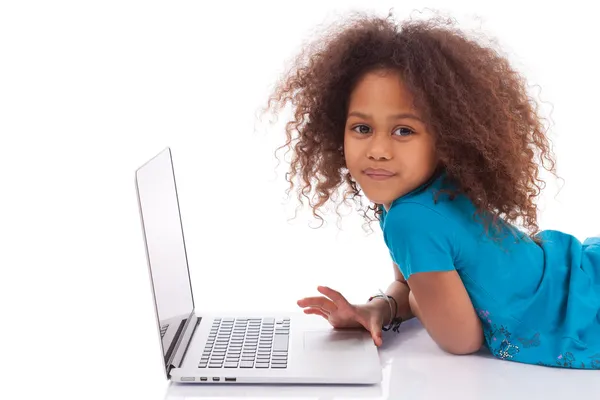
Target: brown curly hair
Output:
[(487, 129)]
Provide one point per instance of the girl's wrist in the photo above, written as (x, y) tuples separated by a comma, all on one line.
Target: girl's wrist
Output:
[(380, 306)]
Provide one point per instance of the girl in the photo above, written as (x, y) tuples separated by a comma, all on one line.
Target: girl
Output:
[(438, 132)]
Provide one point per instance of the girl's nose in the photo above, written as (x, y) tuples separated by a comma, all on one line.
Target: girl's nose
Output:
[(379, 148)]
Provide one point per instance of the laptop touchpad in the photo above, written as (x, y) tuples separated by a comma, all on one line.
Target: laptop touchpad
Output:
[(333, 340)]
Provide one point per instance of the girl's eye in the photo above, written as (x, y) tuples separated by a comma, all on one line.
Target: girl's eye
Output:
[(404, 131), (361, 131)]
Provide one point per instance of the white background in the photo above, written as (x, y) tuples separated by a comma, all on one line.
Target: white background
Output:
[(90, 90)]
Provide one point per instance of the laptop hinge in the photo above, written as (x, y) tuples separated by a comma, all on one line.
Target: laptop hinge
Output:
[(184, 343)]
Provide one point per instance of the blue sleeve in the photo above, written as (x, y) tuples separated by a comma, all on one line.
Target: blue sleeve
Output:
[(419, 239)]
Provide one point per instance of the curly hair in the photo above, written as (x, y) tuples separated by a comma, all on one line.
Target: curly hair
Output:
[(487, 128)]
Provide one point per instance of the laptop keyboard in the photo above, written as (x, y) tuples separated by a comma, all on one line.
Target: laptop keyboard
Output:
[(247, 343), (163, 330)]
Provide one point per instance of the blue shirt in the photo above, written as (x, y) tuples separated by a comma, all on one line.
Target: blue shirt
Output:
[(538, 303)]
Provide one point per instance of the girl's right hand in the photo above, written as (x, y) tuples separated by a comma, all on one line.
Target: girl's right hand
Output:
[(341, 314)]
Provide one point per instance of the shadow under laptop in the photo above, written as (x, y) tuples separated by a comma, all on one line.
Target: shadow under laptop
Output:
[(180, 391)]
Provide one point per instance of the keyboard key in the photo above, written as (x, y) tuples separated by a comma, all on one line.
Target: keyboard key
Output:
[(279, 357), (274, 361), (246, 364), (231, 365), (278, 365), (202, 365), (248, 359), (268, 320), (280, 343), (219, 365), (261, 365)]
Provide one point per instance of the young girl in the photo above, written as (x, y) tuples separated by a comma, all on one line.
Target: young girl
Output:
[(438, 132)]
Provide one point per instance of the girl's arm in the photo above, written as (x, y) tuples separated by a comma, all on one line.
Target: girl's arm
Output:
[(399, 290), (440, 301)]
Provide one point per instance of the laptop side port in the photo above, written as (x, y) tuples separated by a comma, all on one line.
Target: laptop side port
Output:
[(203, 379), (230, 379), (216, 379)]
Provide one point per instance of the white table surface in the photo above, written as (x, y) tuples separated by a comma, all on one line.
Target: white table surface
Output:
[(415, 368)]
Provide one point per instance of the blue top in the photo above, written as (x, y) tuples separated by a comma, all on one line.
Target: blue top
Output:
[(539, 303)]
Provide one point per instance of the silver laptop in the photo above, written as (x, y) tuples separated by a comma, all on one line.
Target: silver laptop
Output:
[(257, 348)]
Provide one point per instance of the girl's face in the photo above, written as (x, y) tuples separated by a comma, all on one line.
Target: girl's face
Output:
[(387, 148)]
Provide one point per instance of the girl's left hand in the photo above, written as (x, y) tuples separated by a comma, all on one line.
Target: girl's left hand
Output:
[(341, 314)]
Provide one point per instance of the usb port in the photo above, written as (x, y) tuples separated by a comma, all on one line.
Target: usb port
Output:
[(203, 378), (229, 379), (216, 379)]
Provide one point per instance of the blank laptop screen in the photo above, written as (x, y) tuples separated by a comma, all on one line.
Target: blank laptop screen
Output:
[(161, 221)]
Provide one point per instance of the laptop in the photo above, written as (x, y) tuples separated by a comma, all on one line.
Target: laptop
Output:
[(260, 347)]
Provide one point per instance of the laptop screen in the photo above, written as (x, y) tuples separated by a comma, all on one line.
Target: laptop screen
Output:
[(165, 248)]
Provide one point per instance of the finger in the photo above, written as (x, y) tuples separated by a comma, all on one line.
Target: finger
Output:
[(333, 295), (316, 311), (375, 330), (320, 301), (323, 310)]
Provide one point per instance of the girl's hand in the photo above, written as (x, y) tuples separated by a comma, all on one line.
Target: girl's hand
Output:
[(341, 314)]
